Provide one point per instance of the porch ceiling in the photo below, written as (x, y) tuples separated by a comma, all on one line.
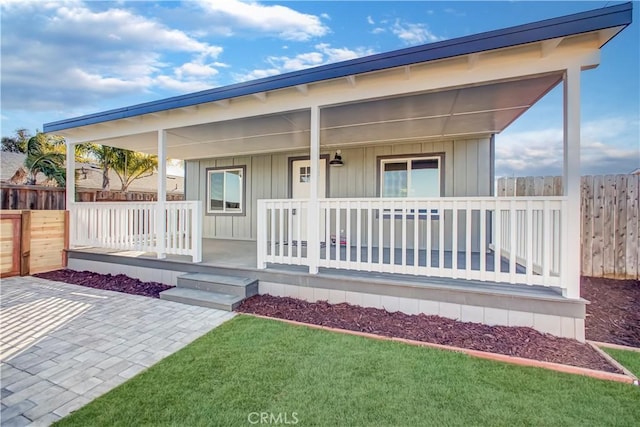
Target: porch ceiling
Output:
[(465, 111)]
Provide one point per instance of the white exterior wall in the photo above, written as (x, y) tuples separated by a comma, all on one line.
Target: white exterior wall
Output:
[(467, 172)]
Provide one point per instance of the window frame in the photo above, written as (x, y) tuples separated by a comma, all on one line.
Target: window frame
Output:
[(423, 214), (408, 158), (243, 189)]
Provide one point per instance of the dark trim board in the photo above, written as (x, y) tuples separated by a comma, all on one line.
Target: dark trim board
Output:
[(535, 299)]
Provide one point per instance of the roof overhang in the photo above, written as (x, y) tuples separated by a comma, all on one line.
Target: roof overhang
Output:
[(467, 86)]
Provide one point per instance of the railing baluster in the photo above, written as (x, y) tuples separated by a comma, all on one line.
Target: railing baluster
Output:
[(529, 250), (454, 239), (441, 248), (483, 240), (359, 234), (497, 243), (416, 237), (467, 235), (369, 235), (348, 235), (513, 235), (403, 266), (392, 236), (428, 239)]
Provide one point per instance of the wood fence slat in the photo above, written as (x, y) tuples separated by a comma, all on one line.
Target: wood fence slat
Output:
[(609, 227), (633, 228), (587, 225), (25, 243), (620, 230), (598, 213)]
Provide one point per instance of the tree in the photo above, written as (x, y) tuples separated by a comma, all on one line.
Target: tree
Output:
[(104, 155), (17, 143), (46, 155), (130, 165)]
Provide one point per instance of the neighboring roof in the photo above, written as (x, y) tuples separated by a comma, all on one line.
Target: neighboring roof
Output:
[(11, 162), (607, 17), (90, 176)]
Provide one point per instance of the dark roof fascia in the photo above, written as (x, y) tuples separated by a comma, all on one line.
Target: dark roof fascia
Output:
[(583, 22)]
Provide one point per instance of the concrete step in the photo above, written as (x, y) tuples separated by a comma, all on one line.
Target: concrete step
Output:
[(231, 285), (202, 298)]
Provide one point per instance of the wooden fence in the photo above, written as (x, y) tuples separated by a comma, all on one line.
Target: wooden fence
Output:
[(31, 197), (33, 241), (610, 223), (38, 197)]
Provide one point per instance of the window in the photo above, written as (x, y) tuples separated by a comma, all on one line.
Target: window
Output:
[(225, 190), (305, 174), (410, 177)]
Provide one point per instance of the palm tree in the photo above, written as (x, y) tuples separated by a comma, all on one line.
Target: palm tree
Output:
[(130, 165), (46, 155), (104, 155)]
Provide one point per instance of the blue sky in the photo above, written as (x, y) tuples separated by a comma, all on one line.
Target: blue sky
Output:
[(62, 59)]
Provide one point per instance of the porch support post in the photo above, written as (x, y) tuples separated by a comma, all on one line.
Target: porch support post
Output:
[(313, 217), (71, 174), (70, 186), (571, 183), (161, 213)]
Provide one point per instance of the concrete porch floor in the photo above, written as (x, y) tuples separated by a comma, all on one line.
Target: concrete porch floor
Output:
[(243, 254)]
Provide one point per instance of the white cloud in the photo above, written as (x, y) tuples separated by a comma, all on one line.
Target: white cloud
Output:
[(57, 54), (370, 20), (324, 54), (271, 19), (412, 34), (608, 146)]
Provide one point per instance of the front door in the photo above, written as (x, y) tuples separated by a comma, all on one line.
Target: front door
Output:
[(301, 189)]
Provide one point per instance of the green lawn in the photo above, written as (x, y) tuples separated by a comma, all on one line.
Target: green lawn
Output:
[(314, 377), (628, 359)]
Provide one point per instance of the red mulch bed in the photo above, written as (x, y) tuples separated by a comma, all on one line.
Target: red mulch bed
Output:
[(512, 341), (614, 313), (118, 283)]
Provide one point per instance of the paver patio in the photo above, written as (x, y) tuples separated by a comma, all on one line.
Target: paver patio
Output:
[(63, 345)]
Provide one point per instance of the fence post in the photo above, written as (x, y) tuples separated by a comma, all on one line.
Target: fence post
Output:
[(65, 250), (25, 242)]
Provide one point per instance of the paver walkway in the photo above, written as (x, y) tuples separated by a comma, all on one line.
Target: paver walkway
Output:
[(64, 345)]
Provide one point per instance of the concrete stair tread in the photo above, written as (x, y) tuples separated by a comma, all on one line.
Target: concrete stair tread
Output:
[(202, 298), (218, 278)]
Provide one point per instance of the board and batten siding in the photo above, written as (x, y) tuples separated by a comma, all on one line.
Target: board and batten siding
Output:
[(468, 171)]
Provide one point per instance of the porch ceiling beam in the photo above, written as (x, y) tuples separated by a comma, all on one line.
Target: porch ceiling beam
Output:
[(407, 72), (239, 138), (548, 46), (261, 96), (224, 103), (472, 60), (608, 33), (488, 70), (188, 110), (436, 116), (351, 80), (303, 89)]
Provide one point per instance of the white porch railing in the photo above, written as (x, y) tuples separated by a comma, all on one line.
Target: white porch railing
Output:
[(133, 226), (446, 237)]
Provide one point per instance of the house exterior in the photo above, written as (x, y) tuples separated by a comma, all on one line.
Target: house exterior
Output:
[(368, 181)]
